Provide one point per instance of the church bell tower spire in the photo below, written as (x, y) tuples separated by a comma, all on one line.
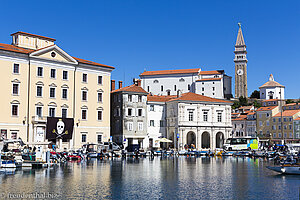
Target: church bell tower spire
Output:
[(240, 61)]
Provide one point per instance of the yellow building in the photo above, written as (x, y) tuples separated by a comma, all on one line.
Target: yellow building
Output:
[(39, 80)]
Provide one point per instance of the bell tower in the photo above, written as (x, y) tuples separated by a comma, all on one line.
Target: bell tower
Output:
[(240, 61)]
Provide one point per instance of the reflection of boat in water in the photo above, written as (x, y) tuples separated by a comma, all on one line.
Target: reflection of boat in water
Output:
[(285, 169)]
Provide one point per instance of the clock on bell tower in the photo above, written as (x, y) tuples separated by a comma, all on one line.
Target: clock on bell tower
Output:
[(240, 61)]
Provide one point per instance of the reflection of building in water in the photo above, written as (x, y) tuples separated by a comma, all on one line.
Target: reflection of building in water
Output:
[(40, 80)]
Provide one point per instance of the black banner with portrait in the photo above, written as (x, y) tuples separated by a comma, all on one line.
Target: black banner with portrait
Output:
[(59, 128)]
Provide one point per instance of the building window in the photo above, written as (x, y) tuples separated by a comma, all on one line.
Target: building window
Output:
[(203, 89), (16, 69), (152, 123), (64, 93), (52, 92), (140, 112), (39, 91), (189, 87), (64, 113), (274, 119), (84, 78), (290, 127), (260, 115), (168, 92), (99, 97), (161, 123), (100, 80), (274, 135), (284, 119), (99, 138), (151, 107), (148, 88), (273, 127), (40, 71), (83, 114), (140, 126), (53, 73), (279, 135), (15, 89), (14, 110), (39, 111), (161, 88), (130, 98), (129, 111), (279, 127), (213, 88), (290, 119), (84, 96), (191, 115), (51, 112), (14, 135), (65, 75), (205, 116), (99, 116), (175, 87), (83, 138), (279, 119), (285, 127), (139, 98), (219, 117), (130, 126)]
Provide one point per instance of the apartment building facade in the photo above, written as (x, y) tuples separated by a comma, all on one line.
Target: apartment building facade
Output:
[(40, 80)]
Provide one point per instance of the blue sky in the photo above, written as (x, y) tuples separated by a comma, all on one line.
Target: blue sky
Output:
[(155, 35)]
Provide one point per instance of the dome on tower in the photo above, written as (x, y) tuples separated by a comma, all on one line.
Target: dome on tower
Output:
[(271, 83)]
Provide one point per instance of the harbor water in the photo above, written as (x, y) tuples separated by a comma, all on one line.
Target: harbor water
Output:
[(158, 178)]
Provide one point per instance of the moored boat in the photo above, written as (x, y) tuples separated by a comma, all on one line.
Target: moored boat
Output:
[(286, 169)]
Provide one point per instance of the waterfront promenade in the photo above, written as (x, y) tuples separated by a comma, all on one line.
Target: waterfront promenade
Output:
[(158, 178)]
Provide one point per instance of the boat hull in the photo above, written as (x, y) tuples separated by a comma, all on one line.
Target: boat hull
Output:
[(286, 170)]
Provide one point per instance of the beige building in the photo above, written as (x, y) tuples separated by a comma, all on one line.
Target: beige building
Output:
[(40, 80)]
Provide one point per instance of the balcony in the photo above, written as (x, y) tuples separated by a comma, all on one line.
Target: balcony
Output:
[(39, 119)]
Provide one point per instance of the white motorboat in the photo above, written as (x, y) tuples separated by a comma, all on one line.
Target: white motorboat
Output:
[(286, 169)]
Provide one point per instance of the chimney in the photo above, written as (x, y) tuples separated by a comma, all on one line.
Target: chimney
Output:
[(137, 82), (120, 84), (113, 85)]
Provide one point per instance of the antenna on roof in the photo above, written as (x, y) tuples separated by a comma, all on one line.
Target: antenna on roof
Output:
[(145, 69)]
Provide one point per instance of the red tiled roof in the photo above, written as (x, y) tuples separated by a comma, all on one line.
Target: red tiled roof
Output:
[(211, 72), (267, 108), (165, 72), (190, 96), (9, 47), (209, 79), (292, 104), (242, 117), (271, 100), (287, 113), (131, 88), (251, 113), (157, 98), (91, 63), (271, 84), (297, 119), (34, 35)]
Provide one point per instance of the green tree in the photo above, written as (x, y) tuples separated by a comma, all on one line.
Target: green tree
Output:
[(256, 104), (289, 101), (255, 94), (243, 101)]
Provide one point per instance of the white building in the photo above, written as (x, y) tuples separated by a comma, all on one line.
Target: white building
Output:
[(156, 116), (271, 90), (199, 120), (214, 84)]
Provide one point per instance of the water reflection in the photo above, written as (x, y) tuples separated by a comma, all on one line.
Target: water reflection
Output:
[(158, 178)]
